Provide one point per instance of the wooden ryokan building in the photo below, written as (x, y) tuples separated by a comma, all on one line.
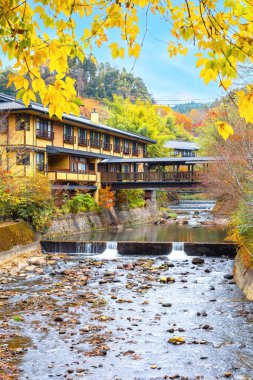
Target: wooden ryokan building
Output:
[(67, 151)]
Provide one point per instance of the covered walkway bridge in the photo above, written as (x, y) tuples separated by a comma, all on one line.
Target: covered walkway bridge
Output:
[(169, 172)]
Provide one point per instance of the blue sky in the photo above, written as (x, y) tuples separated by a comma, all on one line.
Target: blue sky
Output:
[(166, 78)]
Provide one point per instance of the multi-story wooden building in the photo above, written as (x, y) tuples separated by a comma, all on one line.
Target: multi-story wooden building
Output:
[(182, 148), (68, 151)]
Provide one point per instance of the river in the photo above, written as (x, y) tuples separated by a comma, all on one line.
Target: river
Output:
[(151, 232), (112, 319)]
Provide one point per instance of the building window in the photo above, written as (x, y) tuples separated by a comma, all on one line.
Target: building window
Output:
[(82, 137), (116, 145), (4, 123), (125, 168), (145, 152), (136, 151), (23, 158), (106, 142), (95, 140), (69, 134), (91, 167), (78, 165), (126, 148), (40, 163), (44, 129), (22, 122)]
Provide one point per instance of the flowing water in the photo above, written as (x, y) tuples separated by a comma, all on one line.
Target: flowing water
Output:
[(117, 325), (192, 205), (177, 251)]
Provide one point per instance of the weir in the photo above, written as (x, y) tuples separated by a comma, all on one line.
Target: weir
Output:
[(113, 249)]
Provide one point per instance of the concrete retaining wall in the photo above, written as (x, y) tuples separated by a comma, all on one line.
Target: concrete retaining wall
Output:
[(15, 234), (89, 221), (243, 275), (19, 252)]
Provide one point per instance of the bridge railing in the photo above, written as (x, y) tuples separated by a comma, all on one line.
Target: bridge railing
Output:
[(150, 176)]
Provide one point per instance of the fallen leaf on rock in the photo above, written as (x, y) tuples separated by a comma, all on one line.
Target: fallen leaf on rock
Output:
[(104, 318), (166, 280), (176, 340)]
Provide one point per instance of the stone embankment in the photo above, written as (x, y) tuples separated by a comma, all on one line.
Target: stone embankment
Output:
[(18, 242), (85, 222), (243, 275)]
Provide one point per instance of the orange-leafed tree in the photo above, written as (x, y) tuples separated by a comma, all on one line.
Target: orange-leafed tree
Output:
[(185, 121), (106, 198), (89, 105)]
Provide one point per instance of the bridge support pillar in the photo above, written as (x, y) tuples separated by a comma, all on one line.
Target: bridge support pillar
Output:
[(153, 199)]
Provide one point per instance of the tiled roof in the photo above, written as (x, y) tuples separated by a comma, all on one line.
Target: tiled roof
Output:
[(75, 152), (174, 144), (8, 102), (160, 160)]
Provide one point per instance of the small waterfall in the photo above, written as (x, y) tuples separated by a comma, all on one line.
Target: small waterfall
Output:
[(177, 251), (111, 250), (112, 245), (194, 205), (87, 248), (178, 246)]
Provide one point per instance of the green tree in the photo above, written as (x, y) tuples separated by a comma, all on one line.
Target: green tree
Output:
[(144, 118)]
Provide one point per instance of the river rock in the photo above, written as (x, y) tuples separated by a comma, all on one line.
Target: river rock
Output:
[(228, 276), (37, 260), (30, 268), (197, 260), (166, 304)]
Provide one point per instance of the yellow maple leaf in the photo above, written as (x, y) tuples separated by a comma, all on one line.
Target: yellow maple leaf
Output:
[(224, 129)]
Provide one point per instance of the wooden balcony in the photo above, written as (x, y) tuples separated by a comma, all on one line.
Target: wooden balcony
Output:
[(151, 176), (107, 146), (126, 150), (67, 175), (46, 135), (95, 143), (117, 148), (69, 139), (83, 142), (136, 152)]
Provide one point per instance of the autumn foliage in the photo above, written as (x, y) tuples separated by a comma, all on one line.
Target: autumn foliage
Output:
[(106, 197)]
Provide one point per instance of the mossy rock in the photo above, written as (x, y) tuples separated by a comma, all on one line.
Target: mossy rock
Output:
[(14, 234)]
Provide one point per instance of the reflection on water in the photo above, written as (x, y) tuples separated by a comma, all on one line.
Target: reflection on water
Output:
[(152, 232)]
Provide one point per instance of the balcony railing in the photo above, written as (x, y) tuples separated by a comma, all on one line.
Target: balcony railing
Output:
[(151, 176), (70, 139), (107, 146), (83, 142), (65, 174), (94, 143), (126, 150), (43, 134), (117, 148), (135, 152)]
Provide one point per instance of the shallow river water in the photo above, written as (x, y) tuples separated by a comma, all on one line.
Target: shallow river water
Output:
[(152, 232), (112, 319)]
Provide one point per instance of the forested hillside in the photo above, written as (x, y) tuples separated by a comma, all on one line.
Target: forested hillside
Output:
[(99, 81)]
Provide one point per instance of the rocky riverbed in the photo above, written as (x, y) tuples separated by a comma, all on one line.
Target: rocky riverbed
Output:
[(127, 318)]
